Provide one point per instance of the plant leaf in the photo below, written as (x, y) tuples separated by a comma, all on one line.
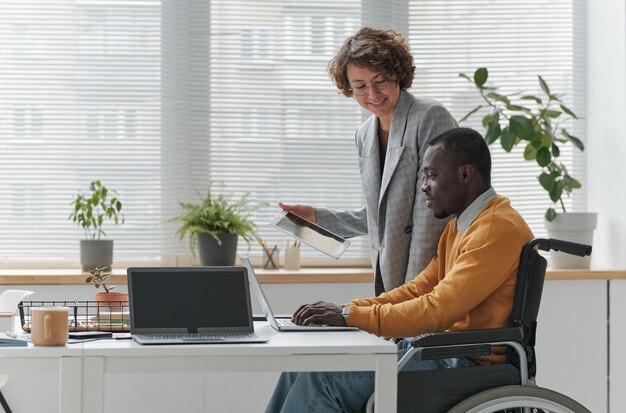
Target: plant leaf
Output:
[(470, 113), (556, 152), (522, 126), (543, 156), (574, 184), (550, 214), (493, 132), (568, 111), (465, 76), (517, 108), (552, 113), (494, 116), (575, 141), (556, 192), (546, 140), (498, 97), (547, 181), (531, 97), (544, 86), (530, 152), (507, 139), (480, 76)]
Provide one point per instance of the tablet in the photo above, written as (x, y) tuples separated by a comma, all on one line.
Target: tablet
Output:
[(91, 334), (311, 234)]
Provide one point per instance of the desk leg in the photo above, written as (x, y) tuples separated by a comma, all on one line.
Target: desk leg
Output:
[(93, 384), (386, 384), (71, 385)]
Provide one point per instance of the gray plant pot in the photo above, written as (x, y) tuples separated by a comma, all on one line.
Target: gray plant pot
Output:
[(212, 254), (95, 252)]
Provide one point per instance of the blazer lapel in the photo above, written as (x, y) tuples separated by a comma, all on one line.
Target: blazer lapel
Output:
[(369, 163), (395, 146)]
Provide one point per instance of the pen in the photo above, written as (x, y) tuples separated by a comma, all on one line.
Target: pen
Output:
[(269, 253), (272, 256)]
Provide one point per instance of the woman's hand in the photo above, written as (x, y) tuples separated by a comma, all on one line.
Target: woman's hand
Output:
[(303, 211)]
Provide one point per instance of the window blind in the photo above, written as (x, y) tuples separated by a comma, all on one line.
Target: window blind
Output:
[(516, 41), (160, 98), (79, 101), (278, 127)]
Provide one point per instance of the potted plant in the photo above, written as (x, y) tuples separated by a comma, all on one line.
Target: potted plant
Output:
[(90, 211), (538, 123), (214, 226), (112, 307)]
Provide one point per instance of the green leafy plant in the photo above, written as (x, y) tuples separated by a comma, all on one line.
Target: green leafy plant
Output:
[(99, 276), (537, 124), (215, 214), (92, 208)]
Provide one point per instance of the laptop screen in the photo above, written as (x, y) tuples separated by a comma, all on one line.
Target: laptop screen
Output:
[(189, 300)]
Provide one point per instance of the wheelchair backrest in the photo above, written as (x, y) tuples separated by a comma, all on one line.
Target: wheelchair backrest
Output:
[(527, 299), (529, 288)]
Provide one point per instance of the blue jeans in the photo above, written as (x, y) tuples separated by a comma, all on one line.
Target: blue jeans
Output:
[(342, 391)]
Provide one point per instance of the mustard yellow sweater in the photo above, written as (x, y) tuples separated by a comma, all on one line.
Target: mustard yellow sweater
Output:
[(468, 285)]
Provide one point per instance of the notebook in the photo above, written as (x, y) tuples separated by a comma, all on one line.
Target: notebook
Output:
[(203, 305), (11, 340), (283, 324)]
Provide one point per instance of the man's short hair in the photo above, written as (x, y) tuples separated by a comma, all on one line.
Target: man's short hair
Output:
[(467, 147)]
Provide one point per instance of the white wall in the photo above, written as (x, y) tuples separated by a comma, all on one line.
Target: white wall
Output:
[(617, 344), (606, 134)]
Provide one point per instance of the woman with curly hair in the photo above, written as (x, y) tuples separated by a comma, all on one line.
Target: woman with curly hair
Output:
[(375, 67)]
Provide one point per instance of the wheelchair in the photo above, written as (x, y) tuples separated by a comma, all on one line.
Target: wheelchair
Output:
[(506, 388)]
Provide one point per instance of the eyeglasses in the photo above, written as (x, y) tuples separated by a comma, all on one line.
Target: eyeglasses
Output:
[(379, 84)]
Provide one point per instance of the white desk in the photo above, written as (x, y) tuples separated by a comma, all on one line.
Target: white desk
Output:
[(82, 367)]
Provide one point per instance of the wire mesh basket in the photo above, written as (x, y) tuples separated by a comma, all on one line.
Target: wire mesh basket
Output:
[(84, 315)]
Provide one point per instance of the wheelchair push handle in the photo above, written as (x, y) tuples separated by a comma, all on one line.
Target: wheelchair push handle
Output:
[(567, 247)]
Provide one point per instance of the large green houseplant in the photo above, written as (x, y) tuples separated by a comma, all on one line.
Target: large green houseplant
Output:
[(90, 211), (214, 225), (538, 125), (538, 121)]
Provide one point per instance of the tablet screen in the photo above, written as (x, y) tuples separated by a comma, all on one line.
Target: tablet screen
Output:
[(311, 234)]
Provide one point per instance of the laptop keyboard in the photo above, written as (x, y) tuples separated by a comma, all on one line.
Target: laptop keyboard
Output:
[(285, 322), (196, 337)]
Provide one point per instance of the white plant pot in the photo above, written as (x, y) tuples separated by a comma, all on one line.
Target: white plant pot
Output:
[(575, 227)]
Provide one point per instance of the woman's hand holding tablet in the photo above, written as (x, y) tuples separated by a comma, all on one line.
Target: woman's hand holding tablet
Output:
[(310, 233)]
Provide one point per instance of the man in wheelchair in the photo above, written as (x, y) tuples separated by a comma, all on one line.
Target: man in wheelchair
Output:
[(469, 285)]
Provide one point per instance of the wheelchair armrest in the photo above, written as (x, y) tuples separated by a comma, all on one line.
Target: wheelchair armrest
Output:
[(452, 338), (469, 343)]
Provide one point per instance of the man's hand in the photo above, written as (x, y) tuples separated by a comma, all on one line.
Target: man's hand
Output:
[(303, 211), (320, 312)]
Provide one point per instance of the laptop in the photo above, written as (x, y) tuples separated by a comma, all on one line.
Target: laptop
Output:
[(201, 305), (283, 324)]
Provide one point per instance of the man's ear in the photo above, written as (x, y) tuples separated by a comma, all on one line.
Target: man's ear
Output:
[(466, 173)]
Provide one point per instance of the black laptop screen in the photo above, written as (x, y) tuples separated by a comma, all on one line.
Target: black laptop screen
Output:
[(181, 298)]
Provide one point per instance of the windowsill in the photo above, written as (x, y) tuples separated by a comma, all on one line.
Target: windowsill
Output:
[(304, 275)]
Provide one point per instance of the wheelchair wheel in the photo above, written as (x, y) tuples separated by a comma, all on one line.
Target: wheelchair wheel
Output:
[(519, 399)]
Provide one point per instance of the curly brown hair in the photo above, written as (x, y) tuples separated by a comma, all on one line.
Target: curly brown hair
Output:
[(380, 50)]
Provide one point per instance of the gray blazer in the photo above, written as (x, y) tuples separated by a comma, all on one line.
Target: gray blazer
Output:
[(403, 233)]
